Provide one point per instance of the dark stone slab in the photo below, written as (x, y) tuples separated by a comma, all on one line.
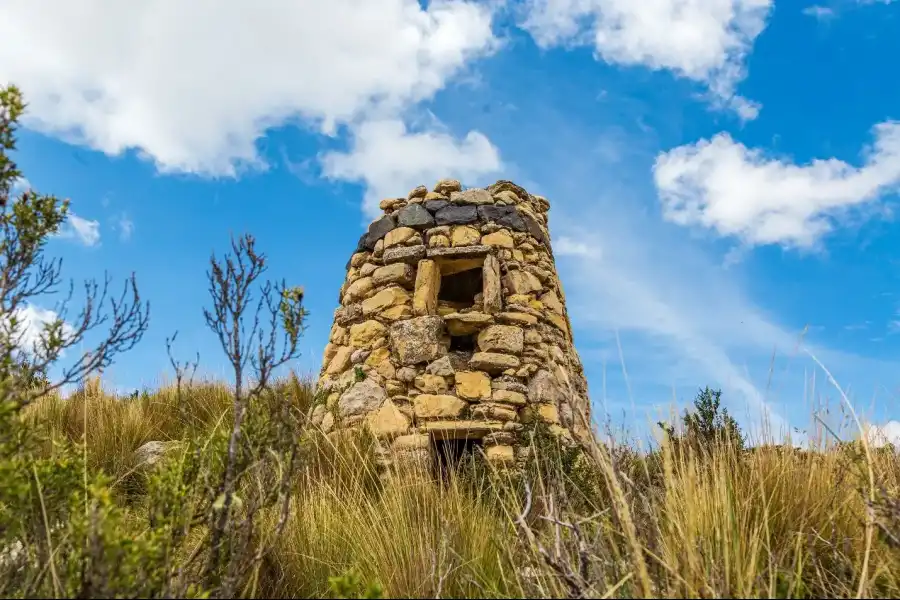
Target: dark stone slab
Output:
[(533, 228), (459, 252), (415, 216), (435, 205), (406, 254), (506, 216), (378, 229), (456, 215)]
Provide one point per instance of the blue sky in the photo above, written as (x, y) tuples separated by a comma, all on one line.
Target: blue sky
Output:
[(723, 174)]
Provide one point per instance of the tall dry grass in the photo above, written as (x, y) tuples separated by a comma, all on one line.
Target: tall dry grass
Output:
[(767, 522)]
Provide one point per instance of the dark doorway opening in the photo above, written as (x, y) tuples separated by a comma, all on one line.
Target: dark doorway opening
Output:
[(463, 343), (461, 288), (450, 456)]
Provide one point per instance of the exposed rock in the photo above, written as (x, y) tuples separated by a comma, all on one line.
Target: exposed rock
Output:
[(490, 275), (521, 282), (151, 453), (456, 214), (357, 290), (441, 367), (473, 385), (388, 421), (414, 441), (499, 238), (463, 235), (358, 356), (509, 397), (428, 282), (460, 430), (405, 254), (340, 362), (406, 374), (438, 406), (505, 383), (500, 454), (544, 388), (327, 422), (466, 323), (501, 338), (418, 192), (416, 216), (431, 384), (385, 299), (435, 205), (497, 412), (551, 301), (399, 273), (363, 335), (457, 253), (398, 236), (417, 340), (447, 186), (493, 362), (377, 230), (517, 318), (439, 241), (473, 196), (361, 398)]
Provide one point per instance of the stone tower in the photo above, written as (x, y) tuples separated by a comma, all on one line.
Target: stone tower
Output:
[(452, 328)]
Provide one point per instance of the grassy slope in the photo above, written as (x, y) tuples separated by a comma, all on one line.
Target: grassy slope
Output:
[(763, 523)]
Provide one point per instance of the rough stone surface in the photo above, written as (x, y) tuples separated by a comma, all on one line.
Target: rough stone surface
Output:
[(428, 281), (388, 421), (438, 406), (398, 236), (377, 230), (458, 253), (399, 273), (441, 367), (456, 215), (417, 340), (473, 385), (150, 453), (501, 338), (447, 186), (453, 312), (435, 205), (466, 323), (492, 300), (474, 196), (493, 361), (362, 397), (415, 216)]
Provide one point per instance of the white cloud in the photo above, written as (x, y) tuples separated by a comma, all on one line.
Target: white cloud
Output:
[(882, 435), (390, 159), (193, 85), (20, 185), (85, 231), (703, 40), (566, 246), (32, 320), (126, 227), (820, 13), (736, 191)]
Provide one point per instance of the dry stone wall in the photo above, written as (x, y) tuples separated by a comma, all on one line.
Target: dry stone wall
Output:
[(453, 325)]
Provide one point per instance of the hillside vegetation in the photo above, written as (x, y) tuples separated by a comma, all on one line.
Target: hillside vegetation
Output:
[(224, 489)]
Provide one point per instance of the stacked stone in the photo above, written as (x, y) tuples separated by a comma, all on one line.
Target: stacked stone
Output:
[(391, 365)]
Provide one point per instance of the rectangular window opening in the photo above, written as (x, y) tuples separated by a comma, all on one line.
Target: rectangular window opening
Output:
[(449, 456), (459, 290)]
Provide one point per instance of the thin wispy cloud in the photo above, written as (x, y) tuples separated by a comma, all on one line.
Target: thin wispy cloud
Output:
[(84, 231)]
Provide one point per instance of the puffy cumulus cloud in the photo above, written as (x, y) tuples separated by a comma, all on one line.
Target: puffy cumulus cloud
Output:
[(736, 191), (193, 85), (703, 40), (84, 231), (882, 435), (387, 157), (32, 319)]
